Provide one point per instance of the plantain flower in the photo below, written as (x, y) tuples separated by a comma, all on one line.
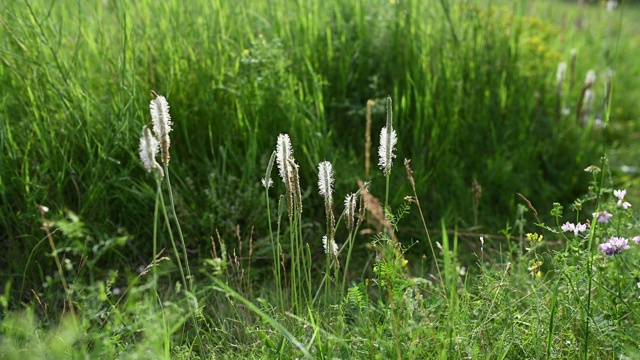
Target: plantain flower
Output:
[(350, 210), (330, 246), (325, 180), (284, 152), (388, 141), (161, 125), (148, 152)]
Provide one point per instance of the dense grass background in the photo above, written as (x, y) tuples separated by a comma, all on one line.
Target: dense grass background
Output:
[(474, 93)]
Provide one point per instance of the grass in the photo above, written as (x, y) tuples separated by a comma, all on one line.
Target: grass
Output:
[(474, 108)]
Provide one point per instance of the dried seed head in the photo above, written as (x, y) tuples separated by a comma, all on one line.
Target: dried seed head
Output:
[(266, 181), (350, 210), (295, 185), (161, 125)]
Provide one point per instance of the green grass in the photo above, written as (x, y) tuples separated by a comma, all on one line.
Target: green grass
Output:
[(245, 275)]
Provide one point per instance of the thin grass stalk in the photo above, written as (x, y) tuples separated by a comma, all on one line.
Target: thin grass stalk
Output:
[(279, 252), (353, 230), (407, 165), (155, 231), (554, 306), (177, 255), (54, 252), (267, 182), (367, 141), (180, 234), (294, 263)]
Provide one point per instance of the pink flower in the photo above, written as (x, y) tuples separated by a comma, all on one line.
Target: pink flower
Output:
[(620, 194), (636, 239), (603, 216), (615, 245), (576, 228)]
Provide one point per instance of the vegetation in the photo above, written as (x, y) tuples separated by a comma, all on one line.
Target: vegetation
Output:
[(508, 234)]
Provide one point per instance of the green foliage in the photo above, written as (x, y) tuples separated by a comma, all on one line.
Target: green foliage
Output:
[(476, 109)]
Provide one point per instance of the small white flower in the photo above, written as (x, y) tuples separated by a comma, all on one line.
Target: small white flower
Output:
[(576, 228), (625, 205), (620, 194), (266, 184), (568, 227)]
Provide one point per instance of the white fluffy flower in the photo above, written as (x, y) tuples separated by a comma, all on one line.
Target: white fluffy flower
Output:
[(284, 152), (149, 150), (325, 180), (330, 246), (161, 119), (388, 141)]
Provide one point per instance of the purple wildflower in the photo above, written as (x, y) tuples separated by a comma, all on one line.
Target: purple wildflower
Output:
[(603, 216), (636, 239), (615, 245), (568, 227)]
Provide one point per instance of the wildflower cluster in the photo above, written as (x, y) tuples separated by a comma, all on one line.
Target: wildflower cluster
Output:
[(613, 244), (576, 228)]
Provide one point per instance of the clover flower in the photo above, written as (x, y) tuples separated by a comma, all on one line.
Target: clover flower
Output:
[(614, 245), (603, 216), (636, 239), (620, 194), (576, 228)]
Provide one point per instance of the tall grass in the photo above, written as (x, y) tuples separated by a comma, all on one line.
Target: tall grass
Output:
[(475, 108)]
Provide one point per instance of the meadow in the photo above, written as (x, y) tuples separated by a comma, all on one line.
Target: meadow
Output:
[(319, 179)]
